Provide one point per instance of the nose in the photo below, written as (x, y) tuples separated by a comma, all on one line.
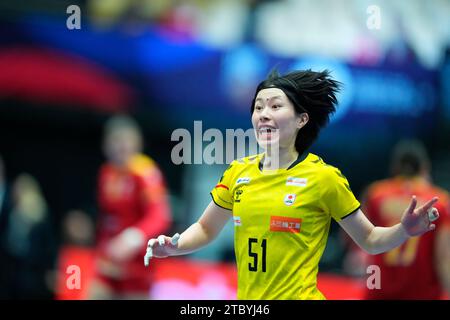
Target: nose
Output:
[(264, 114)]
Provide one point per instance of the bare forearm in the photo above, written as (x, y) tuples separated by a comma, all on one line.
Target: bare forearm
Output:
[(193, 238), (198, 235), (382, 239), (376, 240)]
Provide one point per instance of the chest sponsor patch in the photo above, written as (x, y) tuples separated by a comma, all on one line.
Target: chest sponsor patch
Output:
[(296, 182), (285, 224), (237, 220), (243, 180)]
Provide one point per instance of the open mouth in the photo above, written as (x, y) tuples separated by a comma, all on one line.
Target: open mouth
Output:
[(266, 133)]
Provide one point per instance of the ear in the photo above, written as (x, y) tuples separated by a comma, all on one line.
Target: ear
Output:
[(302, 120)]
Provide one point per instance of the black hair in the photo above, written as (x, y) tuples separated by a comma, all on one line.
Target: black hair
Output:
[(409, 158), (310, 92)]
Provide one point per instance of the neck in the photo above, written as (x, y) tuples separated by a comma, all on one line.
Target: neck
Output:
[(283, 159)]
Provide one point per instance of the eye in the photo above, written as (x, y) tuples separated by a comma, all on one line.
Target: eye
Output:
[(258, 107), (276, 106)]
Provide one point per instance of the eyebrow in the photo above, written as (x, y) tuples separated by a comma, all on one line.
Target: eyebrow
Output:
[(271, 98)]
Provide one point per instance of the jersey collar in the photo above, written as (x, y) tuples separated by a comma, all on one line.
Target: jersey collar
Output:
[(300, 158)]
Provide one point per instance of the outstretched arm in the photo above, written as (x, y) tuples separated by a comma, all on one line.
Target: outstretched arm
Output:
[(376, 240), (195, 237)]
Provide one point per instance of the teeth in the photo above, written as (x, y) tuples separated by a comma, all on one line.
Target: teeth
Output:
[(266, 129)]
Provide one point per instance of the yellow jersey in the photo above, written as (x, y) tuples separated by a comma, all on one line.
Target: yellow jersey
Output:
[(281, 221)]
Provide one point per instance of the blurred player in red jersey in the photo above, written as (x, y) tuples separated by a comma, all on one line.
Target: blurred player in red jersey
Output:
[(420, 268), (76, 252), (133, 206)]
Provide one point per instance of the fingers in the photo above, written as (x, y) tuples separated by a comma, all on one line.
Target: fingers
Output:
[(412, 205), (148, 256), (175, 238), (429, 204), (161, 240), (149, 252), (151, 243)]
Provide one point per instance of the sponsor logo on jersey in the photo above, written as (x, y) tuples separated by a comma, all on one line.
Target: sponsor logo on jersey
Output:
[(296, 182), (289, 199), (285, 224), (237, 195), (243, 180), (237, 220)]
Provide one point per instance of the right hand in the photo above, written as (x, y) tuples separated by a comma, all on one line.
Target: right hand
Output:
[(161, 247)]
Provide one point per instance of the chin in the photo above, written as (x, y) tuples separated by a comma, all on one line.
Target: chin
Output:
[(266, 144)]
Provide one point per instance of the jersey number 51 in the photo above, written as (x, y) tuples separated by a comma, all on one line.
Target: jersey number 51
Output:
[(253, 245)]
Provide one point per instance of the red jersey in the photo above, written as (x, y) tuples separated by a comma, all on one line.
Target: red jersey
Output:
[(408, 271), (75, 272), (134, 196)]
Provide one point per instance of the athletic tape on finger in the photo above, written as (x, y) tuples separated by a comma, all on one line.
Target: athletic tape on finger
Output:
[(175, 238), (432, 214), (148, 256)]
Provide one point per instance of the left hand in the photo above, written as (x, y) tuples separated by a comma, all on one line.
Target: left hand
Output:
[(418, 221), (126, 245)]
